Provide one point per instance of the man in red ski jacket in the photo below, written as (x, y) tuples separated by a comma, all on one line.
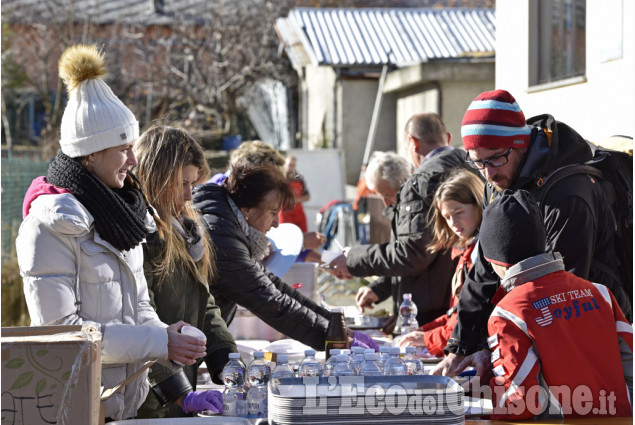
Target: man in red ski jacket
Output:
[(560, 345)]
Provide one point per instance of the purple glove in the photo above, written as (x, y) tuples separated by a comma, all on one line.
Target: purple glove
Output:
[(197, 401), (360, 339)]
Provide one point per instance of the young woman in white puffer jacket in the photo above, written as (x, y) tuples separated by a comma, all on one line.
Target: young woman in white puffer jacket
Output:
[(79, 246)]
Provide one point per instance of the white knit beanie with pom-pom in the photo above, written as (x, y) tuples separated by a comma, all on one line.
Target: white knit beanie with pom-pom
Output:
[(94, 118)]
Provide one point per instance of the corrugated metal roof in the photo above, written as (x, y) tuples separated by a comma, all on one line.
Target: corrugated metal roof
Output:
[(402, 37), (104, 11)]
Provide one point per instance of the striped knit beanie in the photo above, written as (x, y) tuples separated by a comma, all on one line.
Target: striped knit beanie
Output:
[(494, 120)]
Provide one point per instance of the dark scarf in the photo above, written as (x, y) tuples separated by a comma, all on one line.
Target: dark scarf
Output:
[(119, 214)]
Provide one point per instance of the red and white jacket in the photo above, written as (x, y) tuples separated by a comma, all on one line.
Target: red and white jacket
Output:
[(560, 345), (438, 332)]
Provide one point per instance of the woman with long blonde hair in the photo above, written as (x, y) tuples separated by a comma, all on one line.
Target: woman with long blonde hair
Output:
[(455, 218), (179, 267)]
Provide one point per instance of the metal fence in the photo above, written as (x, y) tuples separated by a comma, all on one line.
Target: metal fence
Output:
[(17, 174)]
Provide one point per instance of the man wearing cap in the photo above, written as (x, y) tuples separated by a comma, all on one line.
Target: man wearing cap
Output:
[(513, 154), (542, 311), (405, 258)]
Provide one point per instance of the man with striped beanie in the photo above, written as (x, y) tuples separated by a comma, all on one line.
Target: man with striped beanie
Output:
[(513, 153), (494, 130)]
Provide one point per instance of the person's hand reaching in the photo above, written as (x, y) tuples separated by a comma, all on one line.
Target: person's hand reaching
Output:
[(360, 339), (198, 401), (365, 298), (338, 268)]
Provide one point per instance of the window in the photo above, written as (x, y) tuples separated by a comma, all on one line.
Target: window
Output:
[(557, 40)]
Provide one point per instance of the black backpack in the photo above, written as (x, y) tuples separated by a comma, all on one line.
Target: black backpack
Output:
[(614, 171)]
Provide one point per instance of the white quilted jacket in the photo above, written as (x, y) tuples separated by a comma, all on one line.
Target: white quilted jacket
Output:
[(63, 260)]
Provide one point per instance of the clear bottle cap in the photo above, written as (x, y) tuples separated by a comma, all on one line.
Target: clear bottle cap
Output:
[(283, 358), (370, 356), (259, 354), (407, 296), (310, 352), (234, 355), (410, 349), (335, 351)]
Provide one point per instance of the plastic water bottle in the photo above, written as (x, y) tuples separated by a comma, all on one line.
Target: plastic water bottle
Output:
[(341, 366), (394, 365), (349, 356), (234, 400), (258, 373), (330, 362), (310, 366), (282, 369), (257, 401), (414, 365), (259, 370), (370, 366), (358, 359), (383, 356), (408, 315)]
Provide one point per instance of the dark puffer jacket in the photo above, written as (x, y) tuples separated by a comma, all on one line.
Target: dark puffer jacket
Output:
[(578, 220), (405, 258), (243, 281)]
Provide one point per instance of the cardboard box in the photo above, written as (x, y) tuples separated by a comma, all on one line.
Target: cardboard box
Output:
[(51, 374)]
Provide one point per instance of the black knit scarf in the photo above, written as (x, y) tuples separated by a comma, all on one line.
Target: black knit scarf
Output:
[(119, 214)]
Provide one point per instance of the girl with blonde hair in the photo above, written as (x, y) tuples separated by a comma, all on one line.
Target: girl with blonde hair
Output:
[(179, 268), (455, 218)]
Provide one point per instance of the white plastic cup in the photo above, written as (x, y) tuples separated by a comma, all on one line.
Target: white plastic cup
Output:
[(192, 331), (195, 332)]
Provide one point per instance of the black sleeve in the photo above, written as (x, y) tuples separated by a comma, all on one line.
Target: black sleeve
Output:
[(171, 388), (407, 254), (382, 287), (474, 308), (247, 283), (220, 341)]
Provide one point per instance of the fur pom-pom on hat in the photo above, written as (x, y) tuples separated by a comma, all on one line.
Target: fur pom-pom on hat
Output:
[(94, 118), (80, 63)]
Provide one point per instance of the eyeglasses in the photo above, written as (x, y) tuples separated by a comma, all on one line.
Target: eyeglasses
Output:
[(495, 161)]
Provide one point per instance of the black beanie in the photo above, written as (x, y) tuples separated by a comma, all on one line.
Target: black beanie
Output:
[(512, 229)]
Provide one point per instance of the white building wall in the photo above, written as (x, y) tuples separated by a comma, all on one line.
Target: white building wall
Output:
[(318, 95), (457, 96), (357, 104), (425, 100), (597, 108)]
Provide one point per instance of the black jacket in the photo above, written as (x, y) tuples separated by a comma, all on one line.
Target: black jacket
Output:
[(577, 218), (244, 281), (405, 258)]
